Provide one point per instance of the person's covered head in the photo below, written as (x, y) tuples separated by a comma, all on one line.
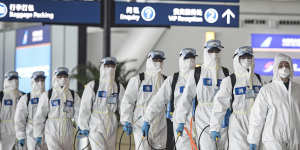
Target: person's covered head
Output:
[(187, 60), (243, 61), (211, 53), (38, 82), (11, 81), (108, 68), (61, 78), (154, 62), (283, 67)]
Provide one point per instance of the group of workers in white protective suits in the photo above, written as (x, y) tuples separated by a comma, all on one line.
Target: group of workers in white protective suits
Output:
[(200, 108)]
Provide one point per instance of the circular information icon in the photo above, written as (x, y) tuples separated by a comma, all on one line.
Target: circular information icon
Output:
[(211, 15), (148, 13), (3, 10)]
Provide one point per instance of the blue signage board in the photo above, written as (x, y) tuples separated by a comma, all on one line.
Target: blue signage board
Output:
[(59, 12), (33, 53), (276, 42), (163, 14), (264, 66)]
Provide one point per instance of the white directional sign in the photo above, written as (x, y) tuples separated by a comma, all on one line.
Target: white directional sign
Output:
[(228, 14)]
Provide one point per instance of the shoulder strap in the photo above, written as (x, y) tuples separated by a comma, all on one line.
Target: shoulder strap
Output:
[(225, 71), (173, 86), (142, 77), (49, 97), (197, 74), (72, 93), (28, 98), (233, 81), (22, 93), (96, 85), (258, 77), (1, 96), (49, 94), (118, 86), (165, 77)]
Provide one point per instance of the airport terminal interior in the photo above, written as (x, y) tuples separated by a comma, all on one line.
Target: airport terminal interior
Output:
[(80, 39)]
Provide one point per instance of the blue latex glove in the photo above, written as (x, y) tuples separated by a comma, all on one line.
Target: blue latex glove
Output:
[(83, 133), (38, 140), (214, 135), (145, 128), (194, 108), (252, 146), (127, 128), (21, 142), (179, 129), (225, 122)]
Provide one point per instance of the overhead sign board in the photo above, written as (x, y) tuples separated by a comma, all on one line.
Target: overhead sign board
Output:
[(264, 66), (33, 53), (60, 12), (163, 14), (276, 42)]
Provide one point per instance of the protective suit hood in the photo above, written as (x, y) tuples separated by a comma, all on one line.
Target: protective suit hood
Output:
[(37, 88), (239, 70), (55, 83), (107, 77), (186, 61), (186, 65), (11, 86), (279, 58), (153, 68), (210, 59), (107, 73)]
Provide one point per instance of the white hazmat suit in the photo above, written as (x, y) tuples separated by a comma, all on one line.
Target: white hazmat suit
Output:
[(54, 117), (97, 112), (161, 99), (11, 96), (135, 101), (238, 121), (210, 79), (275, 115), (25, 111)]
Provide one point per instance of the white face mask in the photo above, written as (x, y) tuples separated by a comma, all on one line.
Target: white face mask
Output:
[(246, 63), (155, 67), (109, 72), (187, 64), (212, 60), (62, 82), (284, 72), (213, 56), (13, 84), (39, 85)]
